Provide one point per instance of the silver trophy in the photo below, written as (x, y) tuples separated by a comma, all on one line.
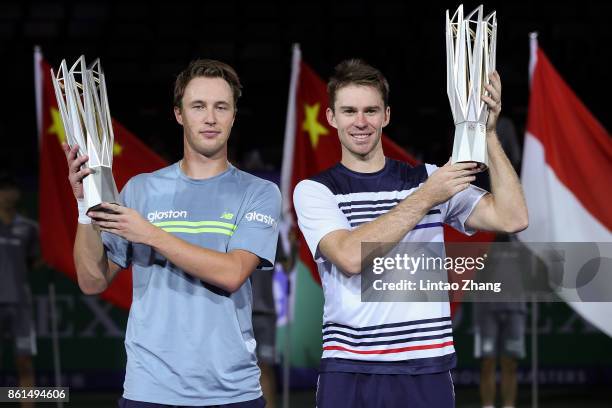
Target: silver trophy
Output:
[(470, 58), (83, 105)]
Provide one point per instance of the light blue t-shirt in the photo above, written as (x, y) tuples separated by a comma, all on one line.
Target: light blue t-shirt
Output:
[(188, 342)]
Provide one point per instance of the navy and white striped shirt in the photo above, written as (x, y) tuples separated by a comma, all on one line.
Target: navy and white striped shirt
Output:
[(378, 337)]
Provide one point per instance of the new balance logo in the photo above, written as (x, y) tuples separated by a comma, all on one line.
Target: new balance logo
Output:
[(227, 216), (255, 216), (165, 215)]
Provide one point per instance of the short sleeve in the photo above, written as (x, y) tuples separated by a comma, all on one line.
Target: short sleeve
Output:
[(118, 249), (318, 213), (460, 206), (257, 231)]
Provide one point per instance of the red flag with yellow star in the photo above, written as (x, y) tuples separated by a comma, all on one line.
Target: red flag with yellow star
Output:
[(57, 206)]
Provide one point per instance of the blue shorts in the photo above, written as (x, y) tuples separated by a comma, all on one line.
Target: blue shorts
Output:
[(358, 390), (257, 403)]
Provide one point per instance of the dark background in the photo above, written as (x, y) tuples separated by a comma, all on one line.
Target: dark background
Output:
[(143, 45)]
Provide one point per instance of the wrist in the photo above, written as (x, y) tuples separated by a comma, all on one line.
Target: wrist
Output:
[(153, 236), (82, 208), (423, 200)]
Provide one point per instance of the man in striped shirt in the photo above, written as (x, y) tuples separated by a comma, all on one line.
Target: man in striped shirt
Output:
[(390, 354)]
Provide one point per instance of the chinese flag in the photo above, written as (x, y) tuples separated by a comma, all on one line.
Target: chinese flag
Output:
[(57, 206)]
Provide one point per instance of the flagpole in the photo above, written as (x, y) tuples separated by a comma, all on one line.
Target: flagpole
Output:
[(38, 94), (55, 341), (290, 127), (38, 90), (287, 218), (287, 348), (533, 54), (533, 47), (534, 339)]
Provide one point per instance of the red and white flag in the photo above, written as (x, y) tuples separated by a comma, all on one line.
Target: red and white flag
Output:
[(567, 164)]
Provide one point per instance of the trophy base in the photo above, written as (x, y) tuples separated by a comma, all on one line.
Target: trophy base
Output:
[(470, 144), (100, 187)]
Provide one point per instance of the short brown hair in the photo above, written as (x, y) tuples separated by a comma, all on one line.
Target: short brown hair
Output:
[(206, 68), (356, 72)]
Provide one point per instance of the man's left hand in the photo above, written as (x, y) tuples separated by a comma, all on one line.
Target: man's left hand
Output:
[(123, 221), (493, 100)]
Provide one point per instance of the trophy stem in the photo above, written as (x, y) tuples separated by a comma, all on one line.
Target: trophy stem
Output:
[(100, 187), (470, 144)]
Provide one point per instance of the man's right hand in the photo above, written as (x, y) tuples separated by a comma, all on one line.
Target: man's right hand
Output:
[(75, 173), (447, 181)]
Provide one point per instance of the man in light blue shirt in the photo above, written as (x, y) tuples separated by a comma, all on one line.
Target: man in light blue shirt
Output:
[(193, 233)]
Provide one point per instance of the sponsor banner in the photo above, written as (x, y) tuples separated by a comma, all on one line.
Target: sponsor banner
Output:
[(572, 376)]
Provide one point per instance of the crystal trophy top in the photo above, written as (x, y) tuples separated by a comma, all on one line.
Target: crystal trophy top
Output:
[(470, 58), (83, 105)]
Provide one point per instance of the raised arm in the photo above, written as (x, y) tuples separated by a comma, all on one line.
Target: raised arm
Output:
[(504, 210)]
